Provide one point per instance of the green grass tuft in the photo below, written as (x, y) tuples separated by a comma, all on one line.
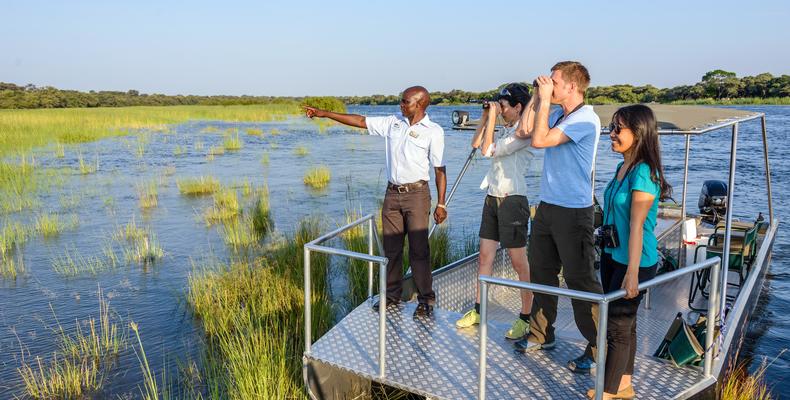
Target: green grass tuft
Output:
[(203, 185), (317, 177)]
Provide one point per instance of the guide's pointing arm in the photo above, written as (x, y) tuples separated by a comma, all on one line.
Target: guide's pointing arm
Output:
[(355, 120)]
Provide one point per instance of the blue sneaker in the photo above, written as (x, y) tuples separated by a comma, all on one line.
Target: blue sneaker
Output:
[(525, 346), (582, 365)]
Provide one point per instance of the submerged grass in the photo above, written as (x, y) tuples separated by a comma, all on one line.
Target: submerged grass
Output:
[(232, 142), (71, 264), (203, 185), (51, 225), (79, 368), (148, 195), (26, 129), (301, 151), (317, 177)]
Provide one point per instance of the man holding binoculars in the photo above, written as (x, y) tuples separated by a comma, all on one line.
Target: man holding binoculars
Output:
[(562, 237)]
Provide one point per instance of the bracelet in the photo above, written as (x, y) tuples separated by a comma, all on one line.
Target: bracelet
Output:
[(442, 206)]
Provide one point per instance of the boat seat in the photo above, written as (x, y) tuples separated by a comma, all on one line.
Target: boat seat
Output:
[(743, 245)]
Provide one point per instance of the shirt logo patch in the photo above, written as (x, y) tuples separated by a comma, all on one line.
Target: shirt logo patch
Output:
[(414, 134), (396, 125)]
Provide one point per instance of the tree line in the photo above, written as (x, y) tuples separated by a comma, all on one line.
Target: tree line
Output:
[(716, 86)]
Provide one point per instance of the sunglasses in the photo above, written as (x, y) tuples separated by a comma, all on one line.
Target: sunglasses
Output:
[(505, 93), (615, 127)]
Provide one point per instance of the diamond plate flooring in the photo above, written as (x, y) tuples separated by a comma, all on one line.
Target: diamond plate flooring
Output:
[(429, 356)]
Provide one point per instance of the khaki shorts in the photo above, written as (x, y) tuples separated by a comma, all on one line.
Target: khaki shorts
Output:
[(505, 220)]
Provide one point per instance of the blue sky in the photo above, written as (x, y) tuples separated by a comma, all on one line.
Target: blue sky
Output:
[(366, 47)]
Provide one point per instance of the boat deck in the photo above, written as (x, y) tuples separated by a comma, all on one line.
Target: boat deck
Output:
[(432, 358)]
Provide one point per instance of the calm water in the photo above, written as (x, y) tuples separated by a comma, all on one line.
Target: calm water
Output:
[(154, 296)]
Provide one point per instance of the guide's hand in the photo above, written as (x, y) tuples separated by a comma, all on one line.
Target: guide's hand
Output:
[(439, 215), (631, 284), (545, 87), (311, 112)]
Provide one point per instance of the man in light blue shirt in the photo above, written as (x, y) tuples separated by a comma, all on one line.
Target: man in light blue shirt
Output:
[(561, 239)]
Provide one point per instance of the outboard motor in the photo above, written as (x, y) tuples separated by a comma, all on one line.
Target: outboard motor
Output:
[(713, 201), (460, 117)]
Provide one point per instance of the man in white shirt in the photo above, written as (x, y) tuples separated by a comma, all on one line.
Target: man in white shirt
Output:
[(506, 209), (413, 142)]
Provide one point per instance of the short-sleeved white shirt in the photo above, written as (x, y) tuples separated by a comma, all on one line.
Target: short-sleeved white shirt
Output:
[(409, 148), (511, 156)]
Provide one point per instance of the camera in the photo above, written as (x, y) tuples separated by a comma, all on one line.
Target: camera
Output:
[(606, 237), (486, 104)]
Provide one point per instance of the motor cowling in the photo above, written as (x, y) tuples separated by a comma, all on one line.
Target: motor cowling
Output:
[(713, 200)]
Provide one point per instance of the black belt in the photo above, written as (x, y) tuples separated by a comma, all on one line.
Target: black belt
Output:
[(406, 187)]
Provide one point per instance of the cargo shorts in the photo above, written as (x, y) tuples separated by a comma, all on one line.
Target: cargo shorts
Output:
[(505, 220)]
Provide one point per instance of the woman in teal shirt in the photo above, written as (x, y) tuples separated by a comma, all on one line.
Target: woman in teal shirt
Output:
[(631, 206)]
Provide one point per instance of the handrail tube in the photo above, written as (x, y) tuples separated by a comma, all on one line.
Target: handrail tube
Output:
[(603, 301), (665, 277), (728, 221), (454, 187), (332, 234), (557, 291), (370, 258), (767, 171), (346, 253)]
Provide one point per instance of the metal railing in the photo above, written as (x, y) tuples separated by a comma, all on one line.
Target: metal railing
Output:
[(603, 301), (315, 246)]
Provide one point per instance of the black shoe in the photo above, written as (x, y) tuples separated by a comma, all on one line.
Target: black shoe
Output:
[(390, 303), (423, 310)]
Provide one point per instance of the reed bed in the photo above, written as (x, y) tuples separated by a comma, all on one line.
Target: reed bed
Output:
[(200, 186), (317, 177), (26, 129), (252, 315), (51, 225), (87, 168), (301, 151), (72, 264)]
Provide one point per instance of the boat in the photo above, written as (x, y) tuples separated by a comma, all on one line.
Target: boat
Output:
[(690, 327)]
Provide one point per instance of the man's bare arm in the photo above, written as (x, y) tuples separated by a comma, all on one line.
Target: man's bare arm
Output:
[(355, 120)]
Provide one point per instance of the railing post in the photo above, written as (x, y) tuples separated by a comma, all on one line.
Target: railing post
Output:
[(728, 222), (481, 390), (382, 316), (308, 324), (710, 328), (600, 358), (370, 263)]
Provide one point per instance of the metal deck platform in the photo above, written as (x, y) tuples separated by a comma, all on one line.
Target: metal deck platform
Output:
[(430, 357)]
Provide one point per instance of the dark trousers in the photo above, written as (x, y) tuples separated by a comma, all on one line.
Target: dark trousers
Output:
[(621, 330), (407, 214), (562, 240)]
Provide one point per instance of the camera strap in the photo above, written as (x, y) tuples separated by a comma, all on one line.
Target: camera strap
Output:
[(563, 117), (612, 194)]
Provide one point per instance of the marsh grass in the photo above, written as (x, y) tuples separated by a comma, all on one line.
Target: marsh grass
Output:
[(130, 232), (79, 368), (150, 388), (210, 129), (144, 251), (51, 225), (148, 195), (225, 208), (317, 177), (252, 315), (200, 186), (739, 384), (179, 150), (254, 131), (232, 142), (265, 159), (274, 132), (12, 265), (12, 235), (143, 139), (60, 150), (72, 264), (216, 151), (301, 151), (198, 145), (239, 233), (26, 129), (262, 221), (70, 201), (85, 167), (356, 239), (274, 145)]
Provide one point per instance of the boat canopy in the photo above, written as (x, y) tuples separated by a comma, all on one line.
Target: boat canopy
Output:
[(682, 119)]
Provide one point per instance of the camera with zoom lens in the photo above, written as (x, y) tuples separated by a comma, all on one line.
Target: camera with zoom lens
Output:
[(486, 104), (606, 237)]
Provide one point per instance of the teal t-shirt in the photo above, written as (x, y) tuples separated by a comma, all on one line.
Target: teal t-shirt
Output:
[(617, 211)]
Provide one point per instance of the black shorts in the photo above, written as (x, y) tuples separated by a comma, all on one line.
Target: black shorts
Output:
[(505, 220)]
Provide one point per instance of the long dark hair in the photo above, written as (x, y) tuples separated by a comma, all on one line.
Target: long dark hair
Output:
[(647, 149)]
